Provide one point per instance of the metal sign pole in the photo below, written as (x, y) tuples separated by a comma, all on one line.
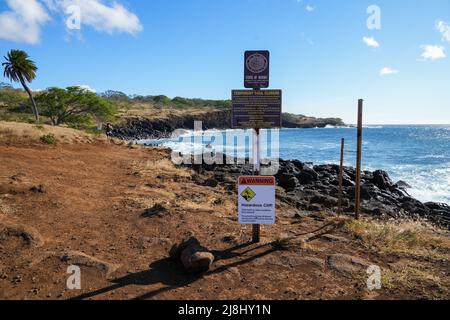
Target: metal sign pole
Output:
[(341, 174), (358, 160), (256, 171)]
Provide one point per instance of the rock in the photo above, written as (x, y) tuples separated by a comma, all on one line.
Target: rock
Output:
[(347, 182), (314, 207), (324, 200), (194, 257), (28, 234), (307, 176), (288, 182), (229, 239), (411, 204), (402, 185), (314, 188), (377, 208), (369, 191), (211, 183), (297, 261), (196, 261), (437, 206), (347, 264), (381, 179), (38, 189), (334, 238), (82, 259), (220, 176), (156, 210), (197, 179)]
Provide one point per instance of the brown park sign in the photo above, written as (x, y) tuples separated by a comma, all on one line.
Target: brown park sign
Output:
[(256, 109)]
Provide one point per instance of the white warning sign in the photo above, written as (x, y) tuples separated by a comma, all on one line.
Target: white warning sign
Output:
[(256, 200)]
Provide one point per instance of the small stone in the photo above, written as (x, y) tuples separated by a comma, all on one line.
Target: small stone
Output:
[(157, 210), (38, 189), (347, 264)]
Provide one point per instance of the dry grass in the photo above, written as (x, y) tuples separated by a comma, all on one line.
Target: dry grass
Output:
[(417, 277), (17, 132), (423, 251), (410, 237), (163, 168)]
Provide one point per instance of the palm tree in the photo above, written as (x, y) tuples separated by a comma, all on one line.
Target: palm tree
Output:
[(19, 68)]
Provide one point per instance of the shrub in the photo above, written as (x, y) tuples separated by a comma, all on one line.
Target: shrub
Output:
[(48, 139)]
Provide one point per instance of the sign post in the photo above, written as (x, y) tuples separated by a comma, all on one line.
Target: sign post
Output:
[(341, 175), (358, 159), (256, 109), (256, 171)]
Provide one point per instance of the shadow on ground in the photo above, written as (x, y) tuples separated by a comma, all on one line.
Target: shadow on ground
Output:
[(170, 272)]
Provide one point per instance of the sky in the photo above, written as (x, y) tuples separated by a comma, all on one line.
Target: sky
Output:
[(325, 55)]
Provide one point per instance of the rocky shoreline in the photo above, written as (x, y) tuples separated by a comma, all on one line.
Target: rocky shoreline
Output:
[(138, 128), (304, 186), (314, 188)]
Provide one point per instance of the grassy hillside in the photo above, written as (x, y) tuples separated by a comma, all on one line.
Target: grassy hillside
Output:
[(15, 106)]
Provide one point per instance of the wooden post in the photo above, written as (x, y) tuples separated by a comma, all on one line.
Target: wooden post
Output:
[(256, 171), (341, 175), (358, 160)]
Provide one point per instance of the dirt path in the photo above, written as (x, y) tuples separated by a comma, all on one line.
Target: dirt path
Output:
[(89, 198)]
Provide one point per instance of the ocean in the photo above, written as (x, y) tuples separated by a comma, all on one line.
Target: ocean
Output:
[(418, 155)]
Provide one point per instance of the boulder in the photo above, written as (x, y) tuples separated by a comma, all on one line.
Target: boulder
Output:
[(307, 176), (402, 185), (288, 182), (369, 191), (381, 180), (194, 257), (324, 200), (412, 205)]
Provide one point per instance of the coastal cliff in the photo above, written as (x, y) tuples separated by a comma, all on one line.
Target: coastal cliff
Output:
[(135, 128)]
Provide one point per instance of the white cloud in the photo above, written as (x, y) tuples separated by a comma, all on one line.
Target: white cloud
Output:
[(371, 42), (433, 52), (310, 8), (114, 18), (444, 29), (87, 87), (23, 22), (24, 19), (388, 71)]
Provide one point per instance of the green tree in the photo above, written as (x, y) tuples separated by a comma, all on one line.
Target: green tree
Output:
[(19, 68), (73, 105)]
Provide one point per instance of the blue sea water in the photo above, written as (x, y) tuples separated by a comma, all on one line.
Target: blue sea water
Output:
[(419, 155)]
